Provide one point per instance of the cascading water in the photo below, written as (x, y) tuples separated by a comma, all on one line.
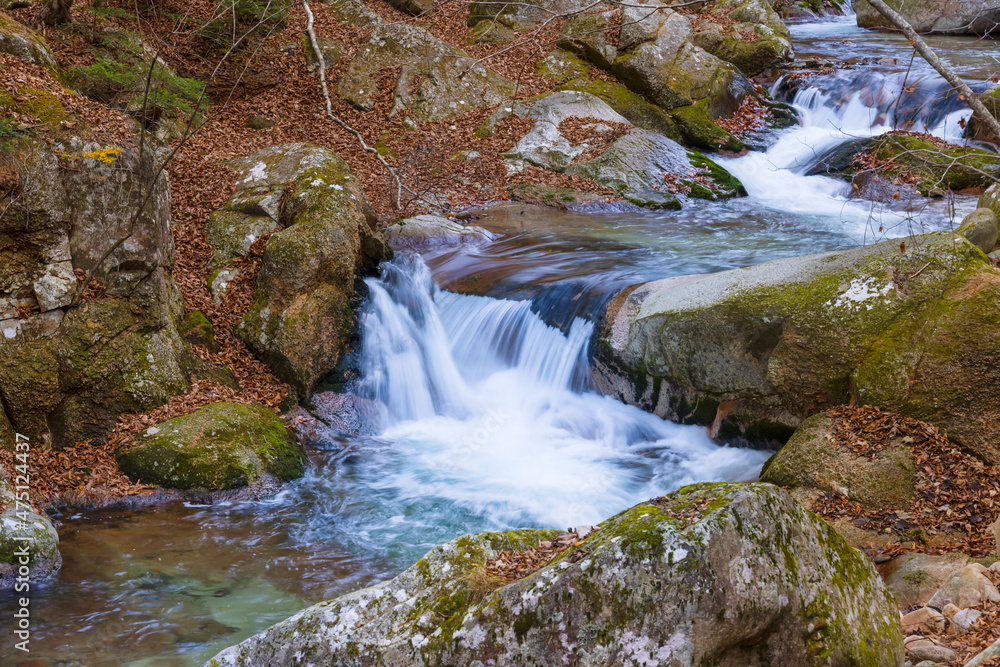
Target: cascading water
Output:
[(488, 413)]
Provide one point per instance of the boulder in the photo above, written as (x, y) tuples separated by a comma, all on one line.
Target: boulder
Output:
[(219, 447), (70, 368), (641, 166), (433, 230), (751, 35), (448, 82), (913, 579), (727, 573), (813, 460), (521, 16), (980, 229), (966, 588), (924, 648), (954, 17), (29, 545), (24, 43), (991, 199), (414, 7), (976, 129), (354, 12), (905, 325), (322, 231), (965, 620)]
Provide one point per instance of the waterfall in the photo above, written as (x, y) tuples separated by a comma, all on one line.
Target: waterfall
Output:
[(490, 418)]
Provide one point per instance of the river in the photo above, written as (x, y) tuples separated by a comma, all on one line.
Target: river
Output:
[(477, 360)]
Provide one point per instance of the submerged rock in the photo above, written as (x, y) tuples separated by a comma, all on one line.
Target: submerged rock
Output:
[(221, 446), (424, 230), (27, 540), (955, 17), (728, 573), (322, 231), (905, 325)]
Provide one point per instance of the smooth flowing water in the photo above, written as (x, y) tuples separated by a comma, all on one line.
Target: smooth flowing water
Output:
[(474, 366)]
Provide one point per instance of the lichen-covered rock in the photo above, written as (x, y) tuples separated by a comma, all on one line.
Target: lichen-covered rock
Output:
[(724, 574), (991, 199), (29, 545), (354, 12), (24, 43), (954, 17), (905, 325), (813, 460), (322, 232), (221, 446), (414, 7), (968, 587), (754, 38), (521, 16), (980, 229), (448, 83), (68, 370), (977, 129), (432, 230)]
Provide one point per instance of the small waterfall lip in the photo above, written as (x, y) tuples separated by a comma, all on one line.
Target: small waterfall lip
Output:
[(488, 422)]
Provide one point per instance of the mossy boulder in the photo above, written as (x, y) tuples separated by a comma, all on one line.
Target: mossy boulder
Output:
[(953, 17), (976, 129), (197, 329), (723, 574), (27, 540), (813, 460), (322, 234), (991, 200), (906, 325), (931, 165), (221, 446), (70, 368), (414, 7), (697, 129), (753, 37), (980, 229), (24, 43), (436, 80), (633, 107), (521, 16)]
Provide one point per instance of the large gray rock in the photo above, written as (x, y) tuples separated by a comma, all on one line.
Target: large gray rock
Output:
[(68, 369), (322, 232), (432, 230), (757, 40), (636, 166), (913, 579), (956, 17), (904, 325), (29, 545), (448, 82), (723, 574)]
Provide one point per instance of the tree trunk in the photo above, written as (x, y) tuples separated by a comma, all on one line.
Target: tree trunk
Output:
[(984, 116)]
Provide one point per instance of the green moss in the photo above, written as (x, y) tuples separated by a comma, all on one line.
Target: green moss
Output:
[(221, 446), (633, 107), (249, 20), (934, 166), (698, 130), (35, 102), (197, 329), (725, 185)]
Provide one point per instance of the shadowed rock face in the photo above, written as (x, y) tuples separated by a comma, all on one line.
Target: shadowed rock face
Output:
[(728, 573), (904, 325)]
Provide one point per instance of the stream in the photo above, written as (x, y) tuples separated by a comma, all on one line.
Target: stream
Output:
[(476, 360)]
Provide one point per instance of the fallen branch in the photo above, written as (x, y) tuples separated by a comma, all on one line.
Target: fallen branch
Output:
[(329, 111), (942, 68)]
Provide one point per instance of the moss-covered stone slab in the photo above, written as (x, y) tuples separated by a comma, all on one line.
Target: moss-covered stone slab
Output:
[(446, 80), (221, 446), (28, 540), (907, 325), (322, 233), (21, 42), (722, 574), (813, 460), (755, 39)]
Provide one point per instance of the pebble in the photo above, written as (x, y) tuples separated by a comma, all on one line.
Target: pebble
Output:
[(949, 611), (924, 620), (964, 620), (921, 648)]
